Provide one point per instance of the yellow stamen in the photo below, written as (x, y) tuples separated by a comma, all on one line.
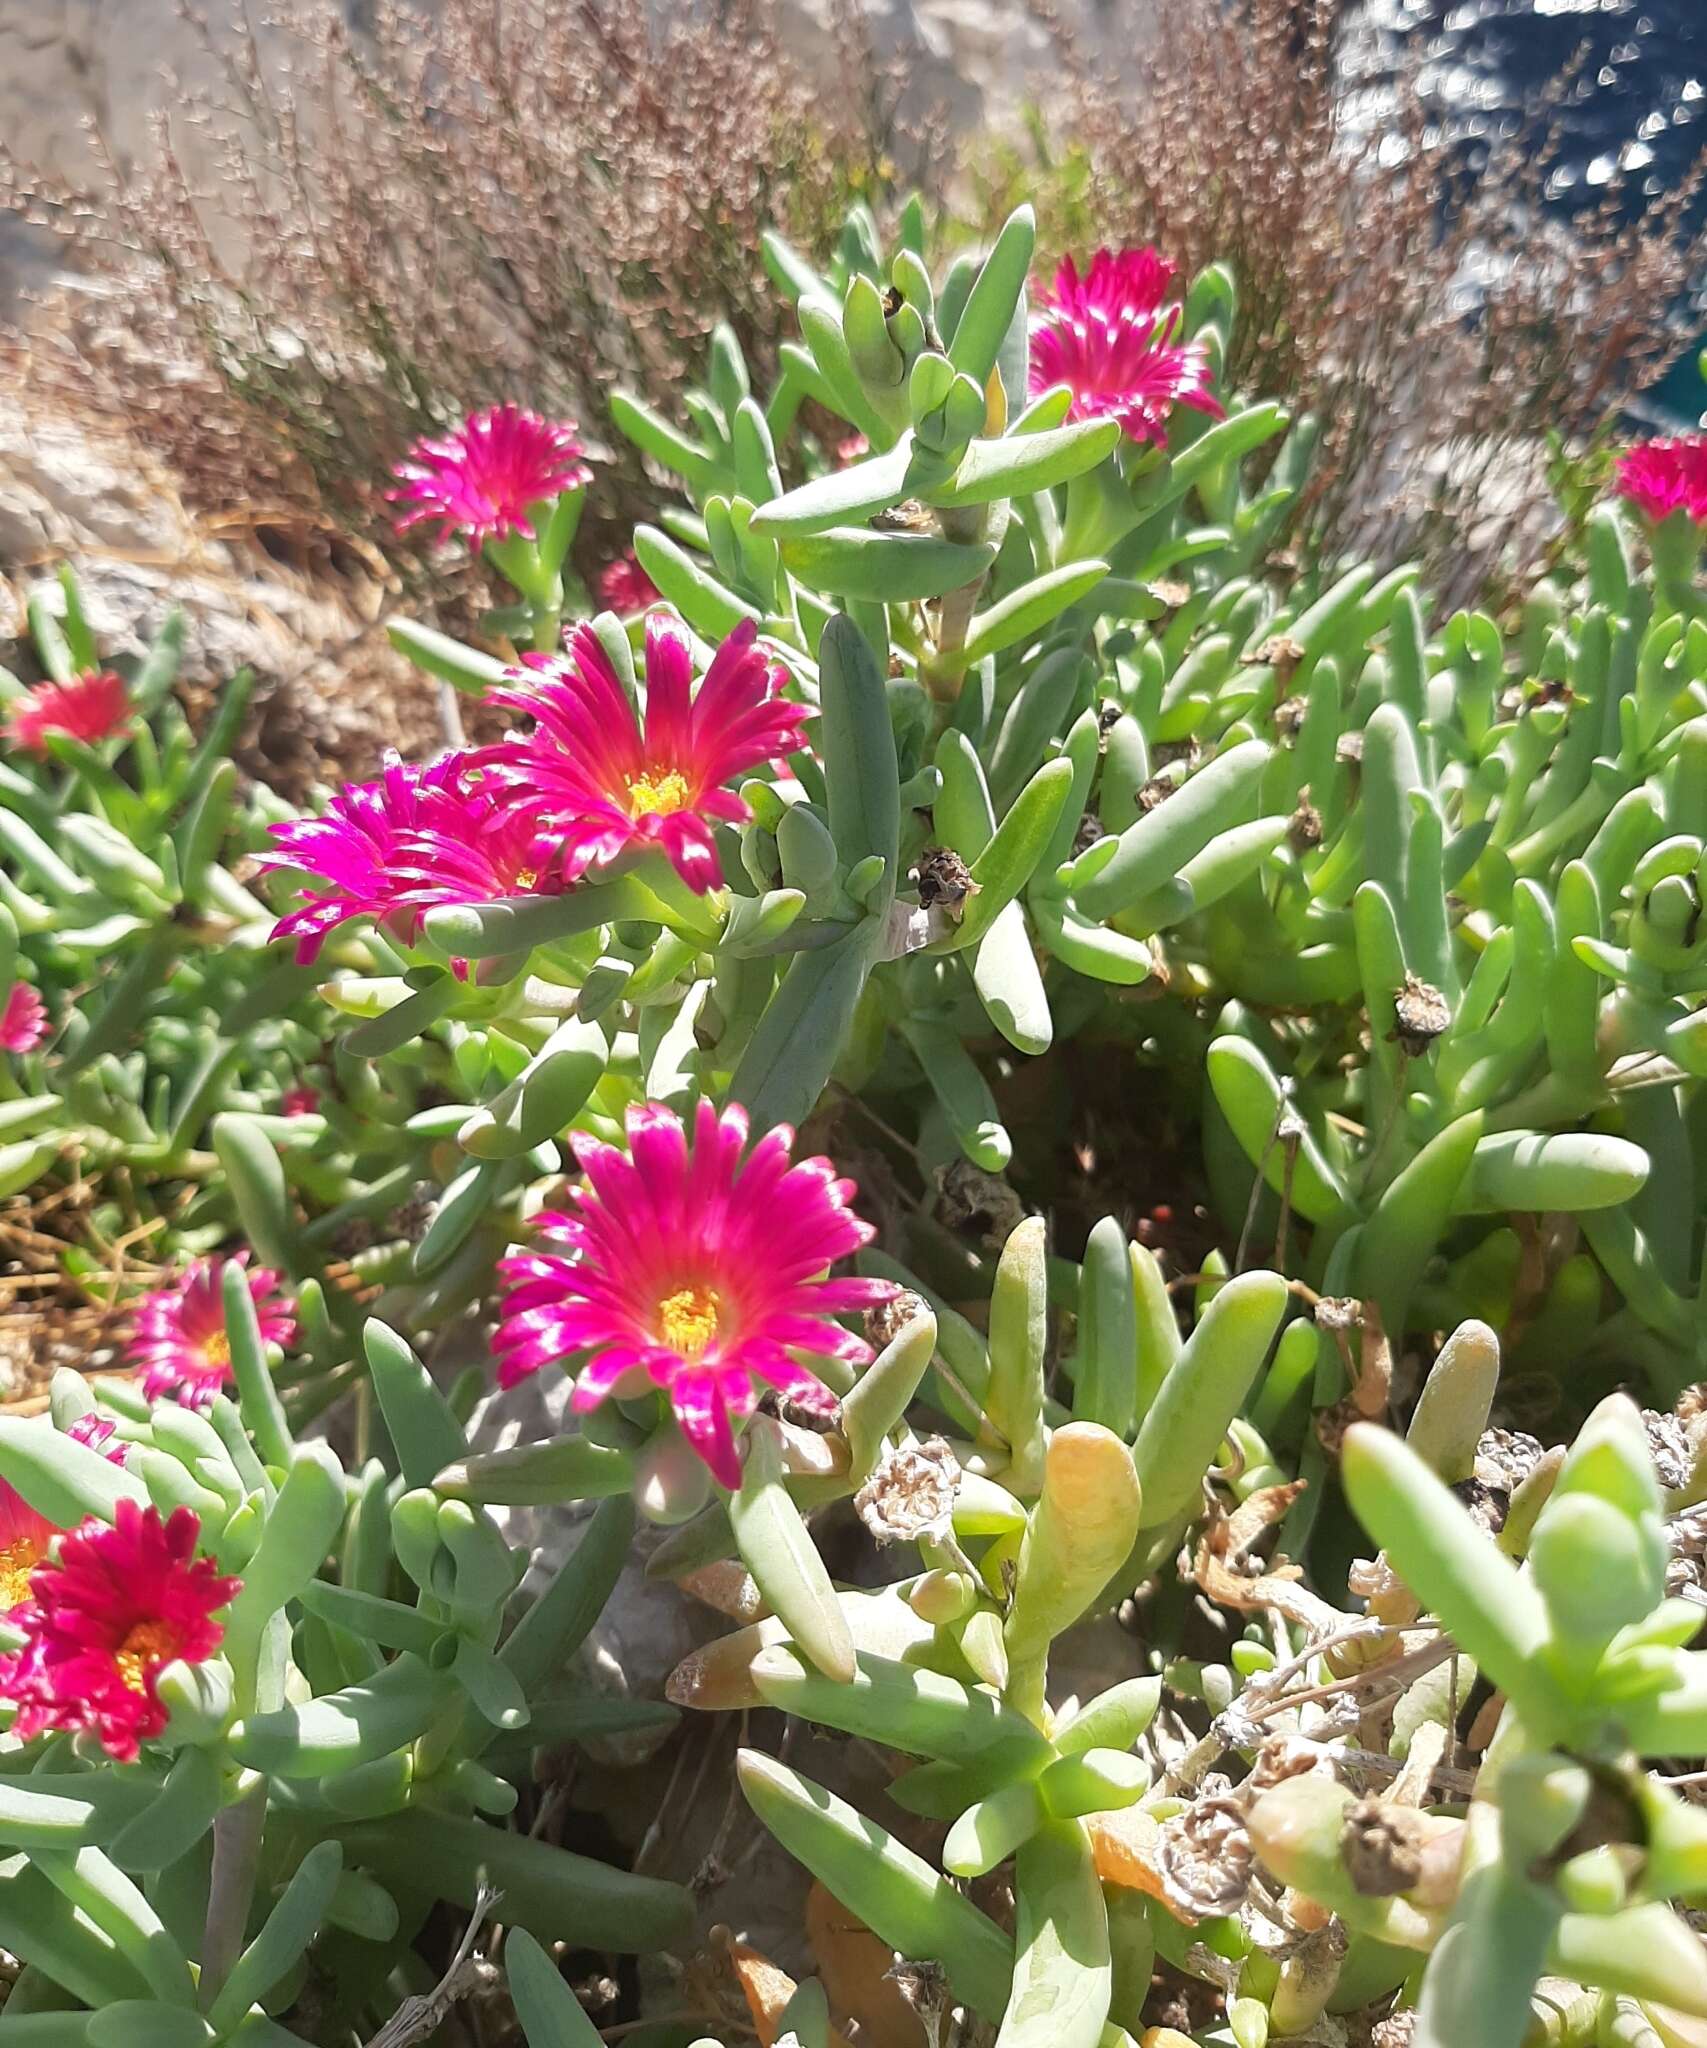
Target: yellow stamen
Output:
[(687, 1321), (659, 792), (17, 1561), (525, 878), (216, 1350), (150, 1643)]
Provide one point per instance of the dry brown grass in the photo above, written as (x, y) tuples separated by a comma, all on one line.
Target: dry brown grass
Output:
[(1358, 263), (517, 198), (506, 198)]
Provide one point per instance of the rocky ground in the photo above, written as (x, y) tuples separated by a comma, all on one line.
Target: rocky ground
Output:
[(331, 691)]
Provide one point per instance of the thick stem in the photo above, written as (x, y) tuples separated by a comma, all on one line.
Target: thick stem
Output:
[(548, 625), (941, 672), (1027, 1689), (450, 715), (1675, 545), (236, 1857)]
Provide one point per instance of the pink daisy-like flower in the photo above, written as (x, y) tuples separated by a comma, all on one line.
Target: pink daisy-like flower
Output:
[(396, 848), (104, 1619), (178, 1342), (23, 1022), (1662, 477), (89, 708), (602, 783), (299, 1101), (26, 1536), (625, 587), (694, 1270), (483, 479), (1113, 341)]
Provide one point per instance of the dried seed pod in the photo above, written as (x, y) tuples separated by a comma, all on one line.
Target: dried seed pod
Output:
[(1088, 831), (1205, 1857), (1304, 827), (968, 1198), (1281, 652), (1381, 1848), (945, 881), (1420, 1015), (885, 1322), (911, 1493)]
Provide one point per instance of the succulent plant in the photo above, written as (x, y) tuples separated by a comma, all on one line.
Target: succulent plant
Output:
[(1031, 723)]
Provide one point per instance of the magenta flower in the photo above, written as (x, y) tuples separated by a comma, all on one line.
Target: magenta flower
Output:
[(625, 587), (89, 708), (27, 1536), (178, 1342), (602, 783), (302, 1100), (105, 1619), (482, 480), (1111, 338), (694, 1270), (1662, 477), (23, 1022), (394, 849)]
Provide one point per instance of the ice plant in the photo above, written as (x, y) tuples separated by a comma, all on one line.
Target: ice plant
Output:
[(1110, 336), (27, 1535), (23, 1022), (625, 587), (301, 1100), (1665, 476), (115, 1607), (602, 782), (685, 1265), (178, 1343), (396, 848), (90, 708), (483, 479)]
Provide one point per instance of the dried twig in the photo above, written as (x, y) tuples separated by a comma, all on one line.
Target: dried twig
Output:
[(416, 2018)]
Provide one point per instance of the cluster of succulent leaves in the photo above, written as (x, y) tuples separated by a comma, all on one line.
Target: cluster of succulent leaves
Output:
[(1415, 912)]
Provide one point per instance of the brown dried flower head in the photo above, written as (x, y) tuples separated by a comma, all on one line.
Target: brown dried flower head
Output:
[(1304, 827), (1420, 1014), (945, 881), (1380, 1848), (1206, 1858), (885, 1322), (911, 1493), (1281, 653)]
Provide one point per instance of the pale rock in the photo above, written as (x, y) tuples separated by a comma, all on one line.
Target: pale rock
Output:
[(647, 1626)]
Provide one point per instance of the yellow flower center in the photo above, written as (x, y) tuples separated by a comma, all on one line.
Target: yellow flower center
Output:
[(216, 1350), (525, 878), (687, 1321), (148, 1644), (658, 792), (17, 1561)]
